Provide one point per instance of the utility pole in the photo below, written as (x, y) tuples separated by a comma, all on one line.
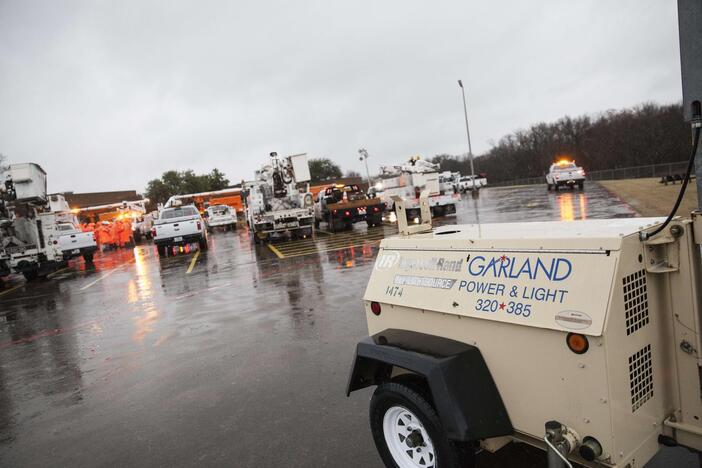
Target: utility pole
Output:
[(364, 158), (690, 22), (474, 190)]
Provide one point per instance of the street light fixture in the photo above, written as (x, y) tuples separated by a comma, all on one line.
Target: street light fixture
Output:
[(364, 158), (470, 149)]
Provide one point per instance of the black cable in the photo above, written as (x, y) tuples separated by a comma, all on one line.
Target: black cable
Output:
[(690, 165)]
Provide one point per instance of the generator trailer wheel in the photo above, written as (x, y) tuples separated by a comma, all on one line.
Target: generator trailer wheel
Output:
[(408, 433)]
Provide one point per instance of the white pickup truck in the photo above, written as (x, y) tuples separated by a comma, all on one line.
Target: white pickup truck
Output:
[(220, 216), (565, 173), (179, 225), (74, 242)]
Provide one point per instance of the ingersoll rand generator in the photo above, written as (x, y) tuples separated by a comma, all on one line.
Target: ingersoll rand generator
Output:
[(582, 338)]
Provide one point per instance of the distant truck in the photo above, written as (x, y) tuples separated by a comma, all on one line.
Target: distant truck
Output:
[(565, 173), (74, 242), (220, 216), (278, 202), (29, 234), (409, 180), (470, 182), (178, 226), (340, 206)]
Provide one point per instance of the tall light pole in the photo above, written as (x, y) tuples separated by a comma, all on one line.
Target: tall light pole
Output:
[(364, 158), (465, 113)]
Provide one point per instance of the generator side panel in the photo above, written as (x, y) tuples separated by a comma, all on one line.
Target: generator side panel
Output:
[(538, 377), (640, 359)]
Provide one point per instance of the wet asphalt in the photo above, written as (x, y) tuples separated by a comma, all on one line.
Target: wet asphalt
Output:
[(237, 356)]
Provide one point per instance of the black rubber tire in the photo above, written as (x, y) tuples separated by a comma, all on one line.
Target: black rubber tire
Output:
[(162, 250), (30, 275), (449, 454), (555, 187), (203, 244), (548, 187), (581, 185)]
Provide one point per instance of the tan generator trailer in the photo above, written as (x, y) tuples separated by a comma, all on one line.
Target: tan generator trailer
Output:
[(579, 332), (583, 338)]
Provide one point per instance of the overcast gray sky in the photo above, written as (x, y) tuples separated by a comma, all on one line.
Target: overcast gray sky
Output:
[(107, 95)]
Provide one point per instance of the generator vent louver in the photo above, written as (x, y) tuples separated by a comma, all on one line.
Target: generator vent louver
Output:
[(641, 377), (635, 301)]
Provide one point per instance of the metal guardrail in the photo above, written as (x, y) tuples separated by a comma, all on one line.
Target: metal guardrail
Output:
[(636, 172)]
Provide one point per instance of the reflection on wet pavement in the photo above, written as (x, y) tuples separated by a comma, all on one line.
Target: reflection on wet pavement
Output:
[(241, 362)]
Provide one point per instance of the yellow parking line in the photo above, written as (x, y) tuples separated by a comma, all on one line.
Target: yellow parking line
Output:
[(107, 274), (333, 249), (99, 279), (275, 251), (51, 275), (192, 262), (9, 290)]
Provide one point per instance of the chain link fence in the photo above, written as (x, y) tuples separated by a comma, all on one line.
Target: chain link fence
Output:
[(637, 172)]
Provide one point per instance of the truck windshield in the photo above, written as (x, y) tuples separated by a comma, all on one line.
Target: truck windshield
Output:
[(178, 212), (218, 210)]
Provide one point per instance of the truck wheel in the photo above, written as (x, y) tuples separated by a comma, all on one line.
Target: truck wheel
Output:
[(203, 244), (581, 185), (88, 257), (30, 275), (161, 249), (407, 431), (548, 187)]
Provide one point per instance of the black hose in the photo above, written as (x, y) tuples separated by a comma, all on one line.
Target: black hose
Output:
[(690, 165)]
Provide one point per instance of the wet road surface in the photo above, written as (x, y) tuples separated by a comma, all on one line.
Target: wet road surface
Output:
[(237, 356)]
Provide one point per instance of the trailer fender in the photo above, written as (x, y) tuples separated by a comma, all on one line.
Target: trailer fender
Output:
[(465, 395)]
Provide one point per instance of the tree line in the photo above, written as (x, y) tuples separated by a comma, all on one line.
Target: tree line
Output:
[(641, 135), (181, 182)]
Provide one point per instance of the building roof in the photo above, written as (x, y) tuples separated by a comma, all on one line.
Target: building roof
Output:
[(82, 200)]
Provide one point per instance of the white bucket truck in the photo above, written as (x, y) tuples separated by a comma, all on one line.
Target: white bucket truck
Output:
[(29, 232), (278, 201), (409, 180)]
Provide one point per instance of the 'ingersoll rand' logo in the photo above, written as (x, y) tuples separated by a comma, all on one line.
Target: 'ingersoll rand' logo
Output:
[(391, 260)]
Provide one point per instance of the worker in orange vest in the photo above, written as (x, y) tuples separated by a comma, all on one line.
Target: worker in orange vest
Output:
[(115, 229), (126, 233), (100, 236)]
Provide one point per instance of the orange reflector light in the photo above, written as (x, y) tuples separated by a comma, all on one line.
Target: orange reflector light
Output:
[(375, 308), (577, 343)]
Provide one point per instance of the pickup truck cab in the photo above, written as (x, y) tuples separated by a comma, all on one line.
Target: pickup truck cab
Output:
[(179, 225), (565, 174), (468, 183), (74, 242), (220, 216)]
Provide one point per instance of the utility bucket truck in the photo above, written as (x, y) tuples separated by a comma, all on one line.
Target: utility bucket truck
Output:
[(408, 180), (278, 201), (582, 338), (30, 237)]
